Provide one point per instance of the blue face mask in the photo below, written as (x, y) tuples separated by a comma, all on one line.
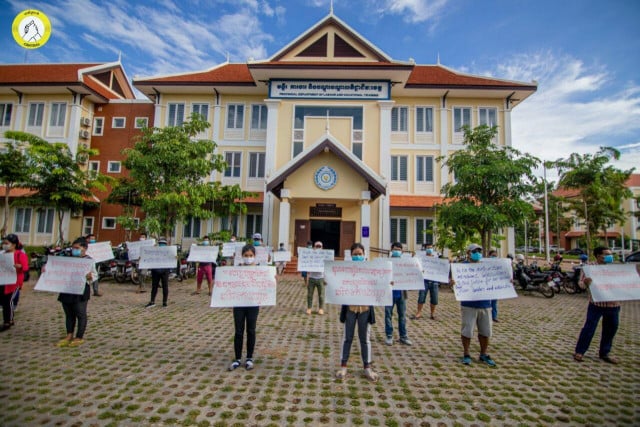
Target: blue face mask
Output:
[(396, 254), (256, 243), (92, 241), (76, 252), (205, 243), (608, 259), (429, 251), (476, 256), (357, 257)]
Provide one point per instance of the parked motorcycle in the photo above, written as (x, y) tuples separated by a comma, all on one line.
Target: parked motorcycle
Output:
[(530, 278)]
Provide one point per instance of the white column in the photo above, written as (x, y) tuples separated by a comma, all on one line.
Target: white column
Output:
[(365, 221), (285, 219), (18, 124), (384, 231), (74, 124), (215, 132), (511, 240), (270, 166), (444, 139), (157, 112)]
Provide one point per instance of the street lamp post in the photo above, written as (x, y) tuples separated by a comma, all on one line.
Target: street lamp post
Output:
[(546, 213)]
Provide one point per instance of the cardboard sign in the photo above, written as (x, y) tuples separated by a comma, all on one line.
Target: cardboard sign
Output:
[(100, 251), (434, 268), (407, 274), (358, 283), (244, 287), (8, 273), (203, 254), (490, 279), (65, 275), (613, 282), (133, 248), (154, 257), (281, 256), (313, 259)]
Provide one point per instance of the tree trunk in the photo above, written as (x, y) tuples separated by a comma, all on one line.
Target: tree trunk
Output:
[(60, 232)]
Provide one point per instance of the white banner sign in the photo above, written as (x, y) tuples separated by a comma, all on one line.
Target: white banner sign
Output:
[(8, 274), (203, 254), (313, 259), (64, 274), (329, 89), (358, 283), (262, 255), (281, 256), (133, 248), (490, 279), (434, 268), (407, 274), (619, 282), (158, 257), (229, 248), (100, 251), (244, 287)]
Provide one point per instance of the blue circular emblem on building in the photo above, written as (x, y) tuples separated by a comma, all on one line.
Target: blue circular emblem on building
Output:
[(326, 178)]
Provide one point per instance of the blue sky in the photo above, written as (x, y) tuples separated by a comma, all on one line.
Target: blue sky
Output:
[(585, 55)]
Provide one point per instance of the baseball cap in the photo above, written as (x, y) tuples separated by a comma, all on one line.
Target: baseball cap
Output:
[(473, 247), (257, 236)]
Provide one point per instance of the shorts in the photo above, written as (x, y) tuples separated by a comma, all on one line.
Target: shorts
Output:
[(472, 317), (431, 288), (304, 274)]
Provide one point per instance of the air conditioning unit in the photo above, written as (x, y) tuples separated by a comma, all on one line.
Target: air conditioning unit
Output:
[(85, 121), (76, 214), (84, 134)]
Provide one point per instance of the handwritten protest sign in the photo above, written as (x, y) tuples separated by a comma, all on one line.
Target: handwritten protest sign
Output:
[(244, 287), (8, 274), (490, 279), (133, 248), (262, 255), (313, 259), (407, 274), (65, 275), (229, 248), (358, 283), (100, 251), (158, 257), (203, 254), (619, 282), (281, 256), (434, 268)]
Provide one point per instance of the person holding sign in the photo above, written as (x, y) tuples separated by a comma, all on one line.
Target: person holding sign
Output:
[(608, 310), (316, 281), (91, 238), (430, 287), (74, 305), (362, 316), (159, 275), (245, 317), (9, 292), (400, 301), (205, 269)]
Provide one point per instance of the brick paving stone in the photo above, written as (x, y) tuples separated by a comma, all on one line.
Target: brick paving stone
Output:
[(168, 366)]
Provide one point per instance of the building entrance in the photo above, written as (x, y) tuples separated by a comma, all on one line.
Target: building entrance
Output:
[(328, 232), (336, 235)]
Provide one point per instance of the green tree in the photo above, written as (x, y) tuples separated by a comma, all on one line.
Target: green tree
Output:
[(601, 188), (14, 173), (490, 186)]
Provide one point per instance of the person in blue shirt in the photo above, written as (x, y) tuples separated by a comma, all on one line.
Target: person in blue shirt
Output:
[(400, 301)]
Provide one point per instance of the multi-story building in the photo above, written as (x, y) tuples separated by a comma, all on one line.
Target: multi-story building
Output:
[(339, 140)]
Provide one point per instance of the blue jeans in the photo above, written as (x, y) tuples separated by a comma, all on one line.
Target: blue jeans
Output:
[(401, 305), (494, 309), (431, 288), (610, 320)]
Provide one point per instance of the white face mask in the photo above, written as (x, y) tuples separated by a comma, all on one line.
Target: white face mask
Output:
[(248, 260), (6, 247)]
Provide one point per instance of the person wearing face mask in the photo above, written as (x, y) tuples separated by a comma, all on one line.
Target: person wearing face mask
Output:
[(304, 274), (608, 310), (431, 288), (205, 269), (75, 306), (361, 316), (400, 301), (159, 275), (257, 239), (9, 293), (316, 281), (245, 317)]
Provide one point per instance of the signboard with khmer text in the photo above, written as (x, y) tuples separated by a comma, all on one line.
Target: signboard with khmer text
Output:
[(330, 89)]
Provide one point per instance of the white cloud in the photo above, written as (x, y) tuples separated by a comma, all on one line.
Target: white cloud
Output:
[(413, 11)]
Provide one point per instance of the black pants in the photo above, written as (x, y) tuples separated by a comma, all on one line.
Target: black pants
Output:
[(75, 311), (157, 276), (7, 305), (242, 316)]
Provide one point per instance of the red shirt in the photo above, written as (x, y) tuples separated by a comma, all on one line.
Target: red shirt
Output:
[(19, 257)]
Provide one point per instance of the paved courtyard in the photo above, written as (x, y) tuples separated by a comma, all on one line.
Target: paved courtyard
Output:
[(167, 366)]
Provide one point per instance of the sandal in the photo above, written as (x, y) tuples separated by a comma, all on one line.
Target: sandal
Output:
[(341, 373), (609, 359), (578, 357), (416, 317)]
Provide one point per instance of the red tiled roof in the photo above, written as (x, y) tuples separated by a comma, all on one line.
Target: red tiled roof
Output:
[(330, 64), (259, 198), (397, 201), (41, 73), (228, 73), (566, 192), (16, 192), (97, 87), (612, 234), (633, 181), (437, 75)]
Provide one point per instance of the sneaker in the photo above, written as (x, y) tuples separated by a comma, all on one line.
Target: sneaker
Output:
[(76, 342), (341, 373), (234, 365), (389, 341), (164, 304), (308, 311), (370, 375), (466, 359), (488, 360), (63, 343), (151, 304), (97, 294), (321, 312), (405, 341), (248, 365)]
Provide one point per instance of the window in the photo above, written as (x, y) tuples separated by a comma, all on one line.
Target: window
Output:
[(399, 118), (191, 227), (87, 225), (113, 167), (233, 160), (98, 125), (424, 119), (254, 225), (398, 168), (118, 122), (36, 111), (45, 220), (58, 114), (5, 114), (235, 116), (141, 122), (259, 117), (202, 109), (109, 223), (399, 230), (175, 115), (256, 165), (94, 168), (461, 117), (424, 231), (424, 168), (23, 220), (233, 227), (488, 116)]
